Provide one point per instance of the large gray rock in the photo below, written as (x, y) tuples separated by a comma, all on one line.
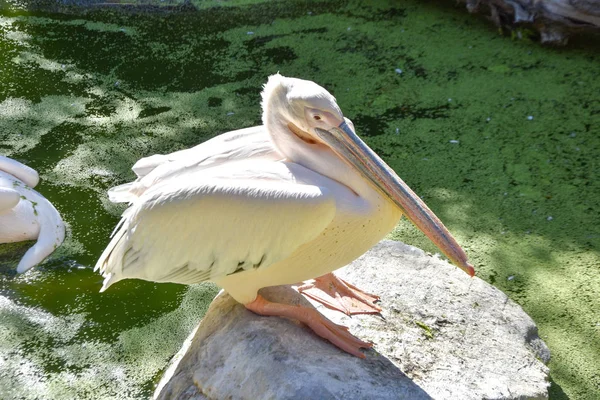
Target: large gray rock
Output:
[(441, 335)]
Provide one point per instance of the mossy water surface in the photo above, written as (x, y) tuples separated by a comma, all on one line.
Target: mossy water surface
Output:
[(498, 136)]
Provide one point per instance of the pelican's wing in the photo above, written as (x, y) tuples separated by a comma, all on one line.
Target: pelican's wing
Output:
[(248, 143), (204, 227)]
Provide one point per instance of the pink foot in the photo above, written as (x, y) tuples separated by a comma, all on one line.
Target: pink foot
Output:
[(336, 334), (337, 294)]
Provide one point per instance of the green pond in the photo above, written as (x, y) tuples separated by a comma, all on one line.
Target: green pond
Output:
[(501, 137)]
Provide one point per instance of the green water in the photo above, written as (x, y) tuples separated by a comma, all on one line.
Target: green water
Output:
[(83, 96)]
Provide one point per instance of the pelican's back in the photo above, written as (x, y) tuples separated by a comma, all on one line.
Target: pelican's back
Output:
[(248, 143)]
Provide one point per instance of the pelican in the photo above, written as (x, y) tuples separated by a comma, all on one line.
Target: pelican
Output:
[(282, 203), (26, 215)]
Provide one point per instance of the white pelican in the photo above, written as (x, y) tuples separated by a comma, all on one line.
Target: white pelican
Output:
[(25, 214), (281, 203)]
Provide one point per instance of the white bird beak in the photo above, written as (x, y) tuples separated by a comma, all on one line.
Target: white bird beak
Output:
[(344, 141)]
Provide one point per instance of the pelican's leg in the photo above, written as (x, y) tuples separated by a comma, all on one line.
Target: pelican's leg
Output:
[(336, 334), (337, 294)]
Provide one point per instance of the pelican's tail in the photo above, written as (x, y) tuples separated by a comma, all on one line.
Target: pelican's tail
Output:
[(110, 263), (52, 234)]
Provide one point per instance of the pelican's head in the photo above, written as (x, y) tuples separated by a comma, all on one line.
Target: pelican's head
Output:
[(296, 106), (306, 124)]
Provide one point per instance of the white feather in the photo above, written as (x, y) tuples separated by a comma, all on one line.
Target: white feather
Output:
[(248, 143), (26, 215), (208, 224), (251, 208)]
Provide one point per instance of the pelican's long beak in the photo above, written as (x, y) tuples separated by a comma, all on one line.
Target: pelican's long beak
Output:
[(348, 145)]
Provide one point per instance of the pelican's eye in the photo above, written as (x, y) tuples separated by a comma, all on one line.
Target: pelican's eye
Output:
[(320, 117)]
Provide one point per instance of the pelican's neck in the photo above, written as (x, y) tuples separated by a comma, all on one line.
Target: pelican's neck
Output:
[(317, 157), (20, 171), (277, 114)]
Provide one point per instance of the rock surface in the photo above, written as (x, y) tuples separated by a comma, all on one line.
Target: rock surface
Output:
[(441, 335)]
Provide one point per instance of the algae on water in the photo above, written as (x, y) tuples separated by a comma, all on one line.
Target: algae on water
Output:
[(499, 137)]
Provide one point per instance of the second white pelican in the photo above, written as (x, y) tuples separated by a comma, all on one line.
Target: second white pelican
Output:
[(276, 204), (25, 214)]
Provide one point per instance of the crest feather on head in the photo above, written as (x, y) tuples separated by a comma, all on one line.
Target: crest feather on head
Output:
[(297, 89)]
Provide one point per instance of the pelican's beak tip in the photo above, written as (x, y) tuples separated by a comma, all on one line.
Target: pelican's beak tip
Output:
[(468, 268)]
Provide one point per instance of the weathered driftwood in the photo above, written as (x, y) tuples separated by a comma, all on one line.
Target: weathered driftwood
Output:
[(555, 20)]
